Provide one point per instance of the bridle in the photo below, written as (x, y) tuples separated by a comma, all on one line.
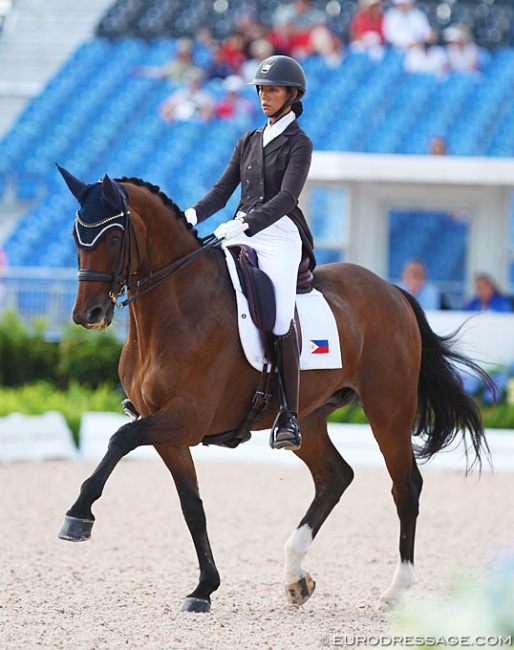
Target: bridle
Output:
[(153, 279)]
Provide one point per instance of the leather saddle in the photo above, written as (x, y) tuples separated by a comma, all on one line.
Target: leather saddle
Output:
[(259, 291)]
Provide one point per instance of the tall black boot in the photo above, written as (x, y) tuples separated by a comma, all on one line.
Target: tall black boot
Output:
[(285, 433)]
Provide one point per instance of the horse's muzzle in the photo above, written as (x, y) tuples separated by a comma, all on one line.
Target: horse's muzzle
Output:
[(97, 317)]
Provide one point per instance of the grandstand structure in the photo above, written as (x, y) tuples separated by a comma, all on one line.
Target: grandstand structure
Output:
[(85, 109)]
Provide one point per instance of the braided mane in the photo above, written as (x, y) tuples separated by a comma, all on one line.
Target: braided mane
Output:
[(155, 189)]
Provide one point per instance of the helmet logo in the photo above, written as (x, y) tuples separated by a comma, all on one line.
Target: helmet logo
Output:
[(265, 68)]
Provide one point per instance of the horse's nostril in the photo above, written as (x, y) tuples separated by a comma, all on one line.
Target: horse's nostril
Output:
[(95, 315)]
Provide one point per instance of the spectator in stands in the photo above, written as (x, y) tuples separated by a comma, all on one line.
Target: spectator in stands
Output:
[(414, 280), (406, 25), (205, 45), (426, 59), (250, 27), (233, 52), (292, 24), (463, 53), (178, 69), (367, 28), (259, 50), (218, 68), (191, 102), (235, 106), (438, 146), (488, 296), (324, 43)]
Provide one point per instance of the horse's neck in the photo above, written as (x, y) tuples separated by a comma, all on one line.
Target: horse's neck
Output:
[(167, 238), (190, 292)]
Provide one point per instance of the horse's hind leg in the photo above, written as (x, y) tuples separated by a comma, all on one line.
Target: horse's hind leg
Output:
[(331, 475), (394, 440), (406, 494)]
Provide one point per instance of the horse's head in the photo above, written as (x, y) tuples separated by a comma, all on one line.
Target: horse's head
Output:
[(103, 234)]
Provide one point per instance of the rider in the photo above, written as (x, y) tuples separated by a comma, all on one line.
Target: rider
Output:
[(272, 164)]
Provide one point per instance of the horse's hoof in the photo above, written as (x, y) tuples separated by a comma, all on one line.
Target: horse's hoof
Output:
[(388, 603), (74, 529), (195, 605), (299, 592)]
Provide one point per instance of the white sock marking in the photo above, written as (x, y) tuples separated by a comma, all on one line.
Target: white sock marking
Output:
[(403, 579), (295, 551)]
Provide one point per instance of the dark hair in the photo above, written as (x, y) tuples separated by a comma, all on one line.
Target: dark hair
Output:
[(297, 108)]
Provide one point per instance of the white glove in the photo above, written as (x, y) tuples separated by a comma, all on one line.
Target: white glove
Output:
[(191, 217), (231, 229)]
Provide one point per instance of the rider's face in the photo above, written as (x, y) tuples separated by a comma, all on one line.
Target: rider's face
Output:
[(272, 98)]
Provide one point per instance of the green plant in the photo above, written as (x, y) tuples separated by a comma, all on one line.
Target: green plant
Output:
[(25, 355), (40, 397), (500, 416), (89, 358)]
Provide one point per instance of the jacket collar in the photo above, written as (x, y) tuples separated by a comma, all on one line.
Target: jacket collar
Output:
[(290, 130)]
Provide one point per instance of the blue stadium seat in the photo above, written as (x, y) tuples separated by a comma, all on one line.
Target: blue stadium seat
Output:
[(361, 105)]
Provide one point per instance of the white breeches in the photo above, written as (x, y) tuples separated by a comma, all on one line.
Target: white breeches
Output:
[(279, 250)]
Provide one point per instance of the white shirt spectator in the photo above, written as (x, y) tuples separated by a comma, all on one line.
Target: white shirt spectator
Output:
[(463, 52), (427, 60), (405, 25)]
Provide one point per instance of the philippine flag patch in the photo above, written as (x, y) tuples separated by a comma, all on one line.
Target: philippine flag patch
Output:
[(319, 346)]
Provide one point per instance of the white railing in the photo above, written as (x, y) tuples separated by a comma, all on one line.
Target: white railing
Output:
[(46, 295)]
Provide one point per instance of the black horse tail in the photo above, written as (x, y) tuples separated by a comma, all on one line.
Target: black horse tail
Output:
[(444, 407)]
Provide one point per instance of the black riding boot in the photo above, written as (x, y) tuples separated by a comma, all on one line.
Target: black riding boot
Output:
[(285, 433)]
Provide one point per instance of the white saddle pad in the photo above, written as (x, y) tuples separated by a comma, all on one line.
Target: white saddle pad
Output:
[(321, 349)]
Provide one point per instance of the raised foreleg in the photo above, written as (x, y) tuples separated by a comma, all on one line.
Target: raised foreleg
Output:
[(154, 430), (79, 519)]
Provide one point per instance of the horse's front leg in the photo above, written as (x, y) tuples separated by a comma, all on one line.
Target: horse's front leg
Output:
[(180, 463), (79, 519)]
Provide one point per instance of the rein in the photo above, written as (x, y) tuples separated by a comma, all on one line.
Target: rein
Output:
[(172, 268), (89, 275)]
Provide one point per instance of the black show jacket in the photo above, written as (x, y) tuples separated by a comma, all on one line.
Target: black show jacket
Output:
[(271, 179)]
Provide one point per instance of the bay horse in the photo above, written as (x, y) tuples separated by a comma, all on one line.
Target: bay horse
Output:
[(184, 370)]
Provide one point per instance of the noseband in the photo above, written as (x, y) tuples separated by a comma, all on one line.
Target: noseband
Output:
[(155, 278)]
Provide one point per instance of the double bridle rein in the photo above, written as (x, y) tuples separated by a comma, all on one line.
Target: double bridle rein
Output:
[(153, 279)]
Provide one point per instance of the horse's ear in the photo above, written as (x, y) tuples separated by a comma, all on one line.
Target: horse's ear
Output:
[(111, 193), (77, 187)]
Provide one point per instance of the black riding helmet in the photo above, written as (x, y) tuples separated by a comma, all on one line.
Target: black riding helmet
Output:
[(280, 70)]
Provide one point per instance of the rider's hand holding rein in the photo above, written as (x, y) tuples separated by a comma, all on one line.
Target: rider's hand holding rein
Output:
[(190, 215), (231, 229)]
